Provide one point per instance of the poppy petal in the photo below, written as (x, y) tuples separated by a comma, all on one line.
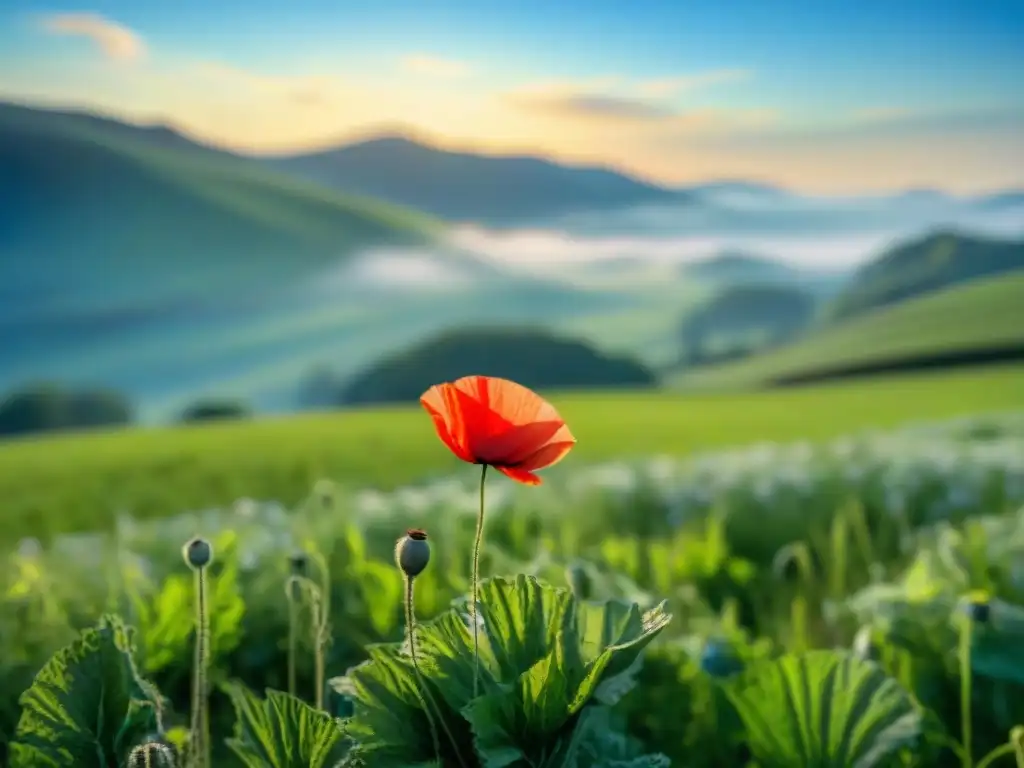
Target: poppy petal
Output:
[(520, 475), (547, 456), (438, 401), (517, 443), (515, 403)]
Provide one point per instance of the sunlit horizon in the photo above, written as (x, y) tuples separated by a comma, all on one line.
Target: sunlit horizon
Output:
[(920, 95)]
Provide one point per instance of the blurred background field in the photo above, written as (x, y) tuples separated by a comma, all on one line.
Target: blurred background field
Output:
[(82, 481), (784, 320)]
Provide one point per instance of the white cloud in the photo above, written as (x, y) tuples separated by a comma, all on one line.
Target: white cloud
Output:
[(117, 42)]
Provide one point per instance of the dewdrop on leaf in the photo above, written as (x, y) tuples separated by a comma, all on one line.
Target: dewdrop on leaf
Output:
[(412, 552), (152, 754), (198, 553)]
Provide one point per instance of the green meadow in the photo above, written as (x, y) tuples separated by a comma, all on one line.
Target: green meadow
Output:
[(81, 481)]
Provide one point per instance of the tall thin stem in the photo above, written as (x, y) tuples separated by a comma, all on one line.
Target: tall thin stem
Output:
[(293, 634), (200, 754), (318, 650), (476, 584), (428, 698), (965, 690)]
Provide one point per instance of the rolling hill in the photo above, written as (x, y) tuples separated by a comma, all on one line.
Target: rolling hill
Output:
[(985, 314), (133, 258), (734, 266), (746, 316), (914, 268), (86, 208), (470, 187)]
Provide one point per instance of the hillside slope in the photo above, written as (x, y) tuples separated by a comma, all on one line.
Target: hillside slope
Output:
[(90, 215), (983, 314), (469, 187), (920, 266)]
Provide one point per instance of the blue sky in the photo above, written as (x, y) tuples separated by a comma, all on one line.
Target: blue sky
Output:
[(816, 95)]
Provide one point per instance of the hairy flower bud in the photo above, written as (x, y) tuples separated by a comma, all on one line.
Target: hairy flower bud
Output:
[(412, 552), (152, 754), (198, 553)]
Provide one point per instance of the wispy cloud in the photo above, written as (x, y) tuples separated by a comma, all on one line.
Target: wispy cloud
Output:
[(434, 66), (594, 106), (619, 99), (115, 41), (672, 86)]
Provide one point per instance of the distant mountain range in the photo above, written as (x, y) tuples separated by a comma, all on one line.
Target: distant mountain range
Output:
[(462, 186), (487, 189), (135, 257)]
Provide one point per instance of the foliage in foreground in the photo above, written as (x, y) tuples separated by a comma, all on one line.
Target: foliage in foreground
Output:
[(554, 667), (886, 536)]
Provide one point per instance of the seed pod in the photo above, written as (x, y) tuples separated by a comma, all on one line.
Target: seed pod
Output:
[(412, 552), (198, 553), (299, 563), (978, 609), (579, 580), (152, 754)]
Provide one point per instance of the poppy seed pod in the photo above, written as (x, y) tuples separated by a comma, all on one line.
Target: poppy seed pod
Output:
[(299, 563), (152, 754), (977, 608), (412, 552), (198, 553)]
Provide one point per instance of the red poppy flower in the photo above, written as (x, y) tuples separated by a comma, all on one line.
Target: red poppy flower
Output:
[(485, 420)]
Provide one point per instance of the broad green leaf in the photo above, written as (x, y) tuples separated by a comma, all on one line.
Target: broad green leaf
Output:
[(523, 619), (613, 636), (392, 725), (282, 731), (543, 658), (88, 706), (596, 650), (823, 709)]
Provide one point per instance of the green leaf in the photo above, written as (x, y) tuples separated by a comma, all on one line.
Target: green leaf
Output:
[(88, 706), (522, 621), (282, 731), (612, 637), (823, 709), (543, 658), (390, 725), (592, 657)]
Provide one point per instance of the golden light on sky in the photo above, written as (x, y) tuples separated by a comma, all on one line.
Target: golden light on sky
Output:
[(676, 127)]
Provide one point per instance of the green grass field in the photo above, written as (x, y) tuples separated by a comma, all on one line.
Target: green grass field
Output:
[(985, 313), (80, 482)]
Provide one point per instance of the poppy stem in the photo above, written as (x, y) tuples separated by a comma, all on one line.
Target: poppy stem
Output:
[(476, 584)]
